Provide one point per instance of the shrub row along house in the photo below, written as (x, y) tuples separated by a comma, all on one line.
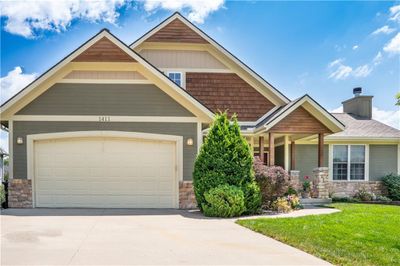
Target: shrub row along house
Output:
[(113, 125)]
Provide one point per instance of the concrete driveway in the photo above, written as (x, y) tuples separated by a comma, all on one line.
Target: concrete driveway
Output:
[(116, 237)]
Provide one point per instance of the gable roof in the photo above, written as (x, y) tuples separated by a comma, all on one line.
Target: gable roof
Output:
[(211, 41), (87, 45), (310, 105), (357, 127)]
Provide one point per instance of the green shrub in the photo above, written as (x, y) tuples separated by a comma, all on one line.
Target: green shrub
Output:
[(225, 159), (345, 199), (392, 182), (273, 182), (364, 195), (2, 194), (382, 199), (252, 198), (224, 201), (281, 204)]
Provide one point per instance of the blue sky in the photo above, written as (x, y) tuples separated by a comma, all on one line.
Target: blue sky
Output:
[(320, 48)]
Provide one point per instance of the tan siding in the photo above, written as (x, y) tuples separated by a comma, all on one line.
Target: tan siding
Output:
[(104, 51), (176, 31), (126, 75), (227, 91), (300, 121), (182, 59)]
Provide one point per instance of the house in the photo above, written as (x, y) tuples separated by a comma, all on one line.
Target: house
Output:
[(113, 125)]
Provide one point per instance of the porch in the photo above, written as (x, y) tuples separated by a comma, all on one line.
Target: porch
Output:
[(288, 150)]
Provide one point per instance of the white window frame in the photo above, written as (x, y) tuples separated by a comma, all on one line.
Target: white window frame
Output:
[(183, 77), (366, 162)]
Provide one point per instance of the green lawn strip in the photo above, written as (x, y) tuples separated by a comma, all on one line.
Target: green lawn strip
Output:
[(359, 235)]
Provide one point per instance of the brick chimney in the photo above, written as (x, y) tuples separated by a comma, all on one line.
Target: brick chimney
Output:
[(359, 105)]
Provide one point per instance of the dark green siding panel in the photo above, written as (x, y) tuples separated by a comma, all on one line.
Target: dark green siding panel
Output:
[(105, 99), (307, 158), (187, 130), (382, 161)]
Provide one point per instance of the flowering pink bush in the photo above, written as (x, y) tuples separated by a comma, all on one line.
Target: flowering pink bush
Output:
[(273, 181)]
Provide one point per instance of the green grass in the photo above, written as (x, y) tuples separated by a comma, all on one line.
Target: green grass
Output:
[(361, 234)]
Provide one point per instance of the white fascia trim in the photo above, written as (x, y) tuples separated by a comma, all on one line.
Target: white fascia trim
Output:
[(30, 139), (128, 51), (105, 118), (216, 45), (106, 81), (52, 71), (295, 106)]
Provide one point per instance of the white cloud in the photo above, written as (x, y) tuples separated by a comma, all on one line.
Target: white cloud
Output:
[(390, 118), (14, 82), (27, 18), (385, 30), (362, 71), (377, 59), (339, 70), (395, 13), (355, 47), (4, 140), (197, 10), (393, 46)]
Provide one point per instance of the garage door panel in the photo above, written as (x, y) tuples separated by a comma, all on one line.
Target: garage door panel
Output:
[(105, 172)]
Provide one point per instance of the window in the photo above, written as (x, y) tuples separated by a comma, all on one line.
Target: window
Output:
[(176, 77), (349, 162)]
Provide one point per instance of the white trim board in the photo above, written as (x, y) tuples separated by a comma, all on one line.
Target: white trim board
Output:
[(30, 139), (183, 96), (105, 118)]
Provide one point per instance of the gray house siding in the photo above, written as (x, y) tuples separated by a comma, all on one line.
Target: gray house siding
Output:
[(382, 161), (307, 158), (105, 99), (22, 129)]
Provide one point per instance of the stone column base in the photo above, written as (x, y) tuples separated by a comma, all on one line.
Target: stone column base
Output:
[(294, 181), (187, 199), (20, 193), (321, 182)]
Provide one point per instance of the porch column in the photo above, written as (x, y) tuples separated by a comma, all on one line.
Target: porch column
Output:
[(261, 147), (293, 155), (286, 152), (320, 149), (271, 161)]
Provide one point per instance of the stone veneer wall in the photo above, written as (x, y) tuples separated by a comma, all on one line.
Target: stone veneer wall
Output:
[(348, 188), (20, 193), (187, 199)]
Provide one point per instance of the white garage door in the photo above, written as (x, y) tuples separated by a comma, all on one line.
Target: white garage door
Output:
[(105, 172)]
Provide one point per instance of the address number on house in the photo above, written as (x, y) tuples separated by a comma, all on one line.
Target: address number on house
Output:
[(104, 119)]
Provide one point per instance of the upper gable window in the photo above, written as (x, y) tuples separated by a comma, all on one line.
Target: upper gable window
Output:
[(176, 77)]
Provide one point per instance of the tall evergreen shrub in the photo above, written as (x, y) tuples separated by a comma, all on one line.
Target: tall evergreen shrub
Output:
[(225, 159)]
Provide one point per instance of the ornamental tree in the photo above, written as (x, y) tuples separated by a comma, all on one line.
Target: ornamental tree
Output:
[(225, 159)]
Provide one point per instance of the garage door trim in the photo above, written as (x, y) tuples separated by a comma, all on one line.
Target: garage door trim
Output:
[(30, 139)]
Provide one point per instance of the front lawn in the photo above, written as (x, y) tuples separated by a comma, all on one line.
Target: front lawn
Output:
[(359, 235)]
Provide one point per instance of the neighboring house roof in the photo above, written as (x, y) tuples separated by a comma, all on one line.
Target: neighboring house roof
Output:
[(207, 39), (357, 127), (82, 52)]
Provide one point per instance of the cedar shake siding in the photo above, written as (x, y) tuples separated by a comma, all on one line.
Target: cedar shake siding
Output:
[(300, 121), (104, 51), (176, 31), (227, 91)]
